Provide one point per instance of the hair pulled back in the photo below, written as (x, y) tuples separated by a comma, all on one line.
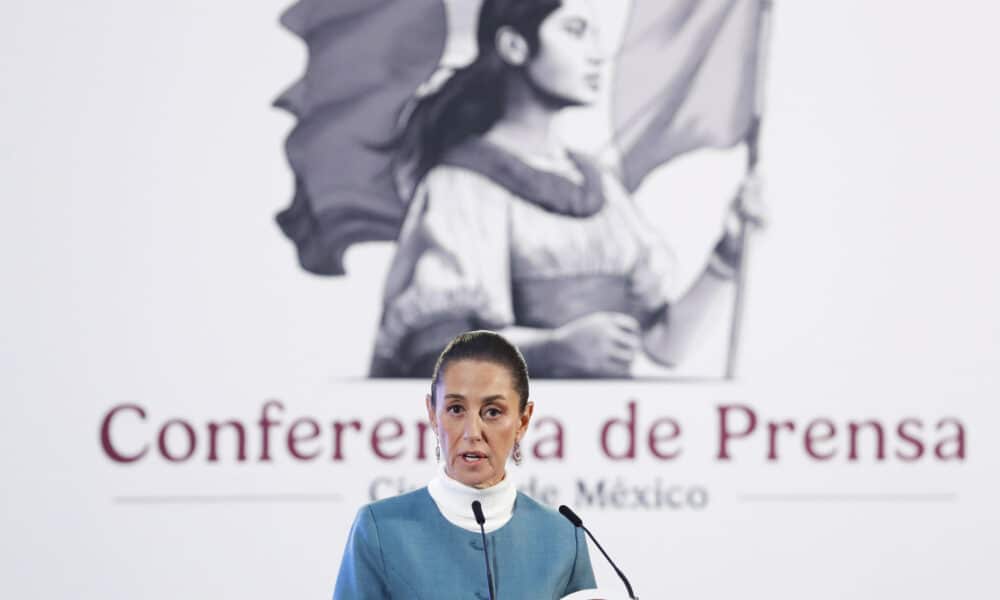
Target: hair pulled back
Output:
[(472, 100), (486, 346)]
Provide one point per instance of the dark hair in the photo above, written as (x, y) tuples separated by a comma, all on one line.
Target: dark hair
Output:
[(487, 346), (472, 100)]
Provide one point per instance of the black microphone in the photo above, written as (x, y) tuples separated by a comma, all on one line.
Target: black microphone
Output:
[(477, 510), (578, 522)]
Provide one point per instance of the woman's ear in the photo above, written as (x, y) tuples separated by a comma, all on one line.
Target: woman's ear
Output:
[(511, 46), (525, 418), (431, 414)]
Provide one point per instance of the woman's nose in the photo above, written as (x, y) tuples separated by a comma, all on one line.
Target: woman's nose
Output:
[(472, 429), (596, 52)]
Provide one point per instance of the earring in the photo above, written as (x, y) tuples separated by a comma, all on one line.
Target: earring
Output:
[(518, 457), (437, 449)]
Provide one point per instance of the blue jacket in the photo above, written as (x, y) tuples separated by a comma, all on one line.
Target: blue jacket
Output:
[(404, 548)]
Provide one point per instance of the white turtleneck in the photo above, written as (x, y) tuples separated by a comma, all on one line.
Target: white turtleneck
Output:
[(454, 500)]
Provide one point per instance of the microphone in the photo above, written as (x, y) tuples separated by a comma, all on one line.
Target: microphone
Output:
[(578, 522), (477, 510)]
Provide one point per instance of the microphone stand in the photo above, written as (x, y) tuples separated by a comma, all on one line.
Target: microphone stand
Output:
[(477, 510), (578, 522)]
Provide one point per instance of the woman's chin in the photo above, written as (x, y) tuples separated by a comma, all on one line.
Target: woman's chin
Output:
[(579, 100), (475, 475)]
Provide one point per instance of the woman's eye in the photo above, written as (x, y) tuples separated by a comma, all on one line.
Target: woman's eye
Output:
[(493, 413), (577, 28), (455, 409)]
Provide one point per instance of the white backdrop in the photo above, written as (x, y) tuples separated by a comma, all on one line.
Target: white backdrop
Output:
[(141, 169)]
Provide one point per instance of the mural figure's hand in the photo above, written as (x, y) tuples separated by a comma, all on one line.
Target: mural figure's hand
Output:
[(747, 207), (747, 210), (601, 344)]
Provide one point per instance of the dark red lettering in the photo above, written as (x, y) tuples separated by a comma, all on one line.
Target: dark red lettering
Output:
[(855, 428), (192, 440), (423, 428), (109, 448), (338, 436), (378, 438), (241, 437), (958, 440), (656, 438), (910, 438), (294, 438), (629, 427), (266, 423), (772, 437), (813, 437), (726, 433), (555, 440)]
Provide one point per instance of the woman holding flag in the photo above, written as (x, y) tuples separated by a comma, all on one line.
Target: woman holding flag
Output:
[(509, 230)]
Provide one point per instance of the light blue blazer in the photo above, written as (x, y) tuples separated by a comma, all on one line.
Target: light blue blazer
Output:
[(404, 548)]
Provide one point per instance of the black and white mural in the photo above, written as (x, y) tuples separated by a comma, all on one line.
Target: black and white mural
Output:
[(503, 147)]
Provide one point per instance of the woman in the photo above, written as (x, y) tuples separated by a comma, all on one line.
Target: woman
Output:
[(427, 543), (508, 230)]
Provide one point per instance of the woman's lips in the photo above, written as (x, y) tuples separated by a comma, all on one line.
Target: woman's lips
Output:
[(472, 457)]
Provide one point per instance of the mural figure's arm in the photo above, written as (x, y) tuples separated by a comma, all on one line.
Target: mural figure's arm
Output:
[(671, 337), (601, 344)]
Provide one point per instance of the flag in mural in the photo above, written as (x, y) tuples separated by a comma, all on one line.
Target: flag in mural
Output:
[(366, 58), (685, 79)]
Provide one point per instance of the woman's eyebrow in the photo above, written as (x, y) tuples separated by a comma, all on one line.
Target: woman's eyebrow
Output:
[(495, 398), (454, 397)]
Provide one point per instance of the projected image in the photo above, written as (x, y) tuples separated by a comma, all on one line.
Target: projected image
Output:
[(501, 145)]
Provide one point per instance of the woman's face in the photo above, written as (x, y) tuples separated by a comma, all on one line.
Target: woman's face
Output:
[(477, 420), (568, 63)]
